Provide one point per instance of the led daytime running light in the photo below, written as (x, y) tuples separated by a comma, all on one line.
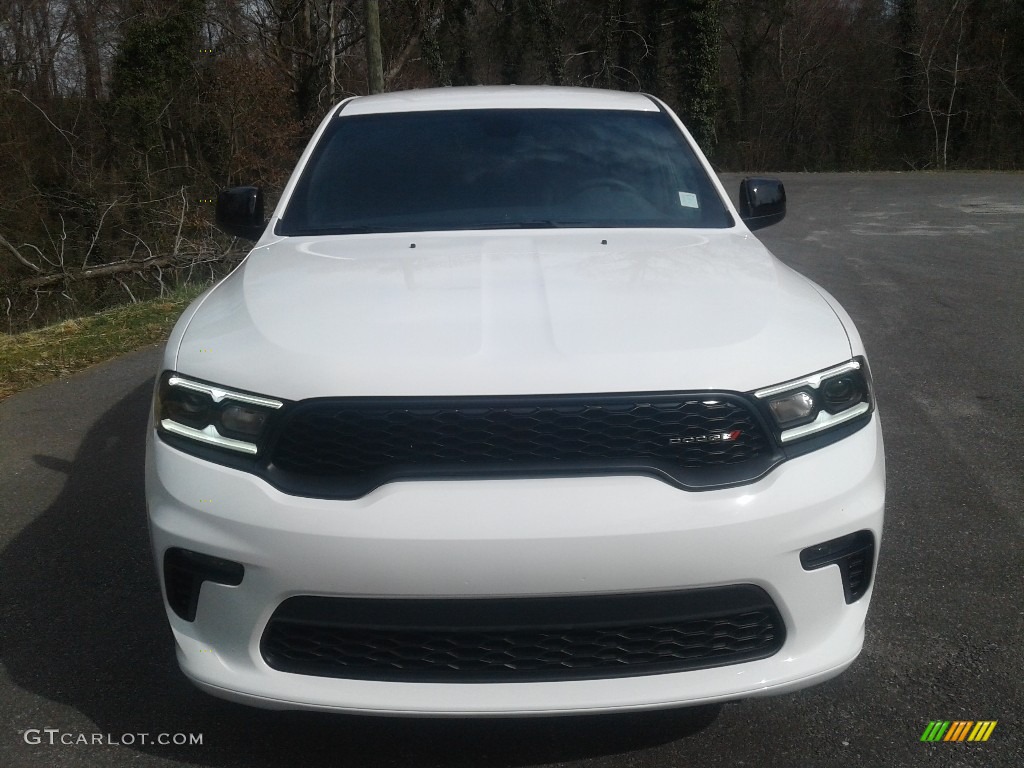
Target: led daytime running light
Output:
[(211, 415), (823, 419)]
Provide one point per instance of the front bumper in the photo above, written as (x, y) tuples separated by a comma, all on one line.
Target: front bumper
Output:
[(509, 538)]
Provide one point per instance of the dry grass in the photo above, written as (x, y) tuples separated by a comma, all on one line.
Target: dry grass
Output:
[(35, 357)]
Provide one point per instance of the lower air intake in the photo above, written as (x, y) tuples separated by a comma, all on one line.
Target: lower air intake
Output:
[(522, 639)]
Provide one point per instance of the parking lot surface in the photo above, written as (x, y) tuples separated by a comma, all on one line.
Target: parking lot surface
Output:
[(930, 266)]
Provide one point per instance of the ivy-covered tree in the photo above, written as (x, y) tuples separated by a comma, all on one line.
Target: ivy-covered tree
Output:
[(695, 53), (153, 80)]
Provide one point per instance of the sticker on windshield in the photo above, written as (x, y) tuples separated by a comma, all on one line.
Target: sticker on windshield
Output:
[(688, 200)]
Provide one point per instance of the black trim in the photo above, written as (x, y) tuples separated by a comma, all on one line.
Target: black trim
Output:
[(685, 478), (668, 465), (345, 103), (471, 614), (524, 639), (762, 202), (184, 574), (653, 100), (207, 451), (855, 556), (817, 440)]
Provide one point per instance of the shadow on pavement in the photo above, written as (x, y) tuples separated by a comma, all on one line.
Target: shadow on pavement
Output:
[(84, 627)]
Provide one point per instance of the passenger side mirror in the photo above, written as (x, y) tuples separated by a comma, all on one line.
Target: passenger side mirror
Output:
[(762, 202), (240, 212)]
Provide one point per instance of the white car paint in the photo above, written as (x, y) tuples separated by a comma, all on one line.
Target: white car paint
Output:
[(512, 312)]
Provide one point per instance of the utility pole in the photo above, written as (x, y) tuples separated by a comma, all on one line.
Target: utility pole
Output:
[(332, 63), (374, 62)]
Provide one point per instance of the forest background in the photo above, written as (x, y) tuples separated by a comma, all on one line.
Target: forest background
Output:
[(121, 119)]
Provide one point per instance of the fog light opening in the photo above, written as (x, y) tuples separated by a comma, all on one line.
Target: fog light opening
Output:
[(184, 574), (855, 556)]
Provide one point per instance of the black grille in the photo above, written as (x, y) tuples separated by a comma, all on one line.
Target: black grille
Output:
[(345, 448), (522, 639), (858, 575)]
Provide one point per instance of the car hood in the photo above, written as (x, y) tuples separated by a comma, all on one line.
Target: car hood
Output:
[(509, 312)]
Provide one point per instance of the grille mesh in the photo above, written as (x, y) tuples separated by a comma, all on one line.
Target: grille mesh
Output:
[(314, 644), (361, 444)]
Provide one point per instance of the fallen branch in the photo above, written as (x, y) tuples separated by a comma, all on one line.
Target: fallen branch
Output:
[(94, 272), (119, 268), (17, 254)]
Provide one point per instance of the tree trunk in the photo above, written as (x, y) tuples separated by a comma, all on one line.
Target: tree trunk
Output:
[(907, 82), (696, 44), (88, 46)]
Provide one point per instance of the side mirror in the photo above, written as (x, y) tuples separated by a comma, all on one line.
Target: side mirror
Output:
[(762, 202), (240, 212)]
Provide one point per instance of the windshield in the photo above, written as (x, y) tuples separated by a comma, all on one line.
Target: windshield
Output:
[(491, 169)]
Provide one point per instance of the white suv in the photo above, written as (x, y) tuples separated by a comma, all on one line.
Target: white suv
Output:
[(507, 412)]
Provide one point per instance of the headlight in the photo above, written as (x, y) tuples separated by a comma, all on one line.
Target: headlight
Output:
[(819, 401), (211, 414), (794, 408)]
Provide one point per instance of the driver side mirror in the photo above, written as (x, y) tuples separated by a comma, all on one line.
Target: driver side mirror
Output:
[(240, 212), (762, 202)]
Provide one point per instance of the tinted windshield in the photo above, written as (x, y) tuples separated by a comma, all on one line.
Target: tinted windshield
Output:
[(488, 169)]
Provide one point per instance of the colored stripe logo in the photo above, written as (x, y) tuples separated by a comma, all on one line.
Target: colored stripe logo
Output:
[(959, 730)]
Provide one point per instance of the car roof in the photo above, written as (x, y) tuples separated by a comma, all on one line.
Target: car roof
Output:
[(498, 97)]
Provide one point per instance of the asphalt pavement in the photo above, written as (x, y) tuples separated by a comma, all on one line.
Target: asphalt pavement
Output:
[(930, 266)]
